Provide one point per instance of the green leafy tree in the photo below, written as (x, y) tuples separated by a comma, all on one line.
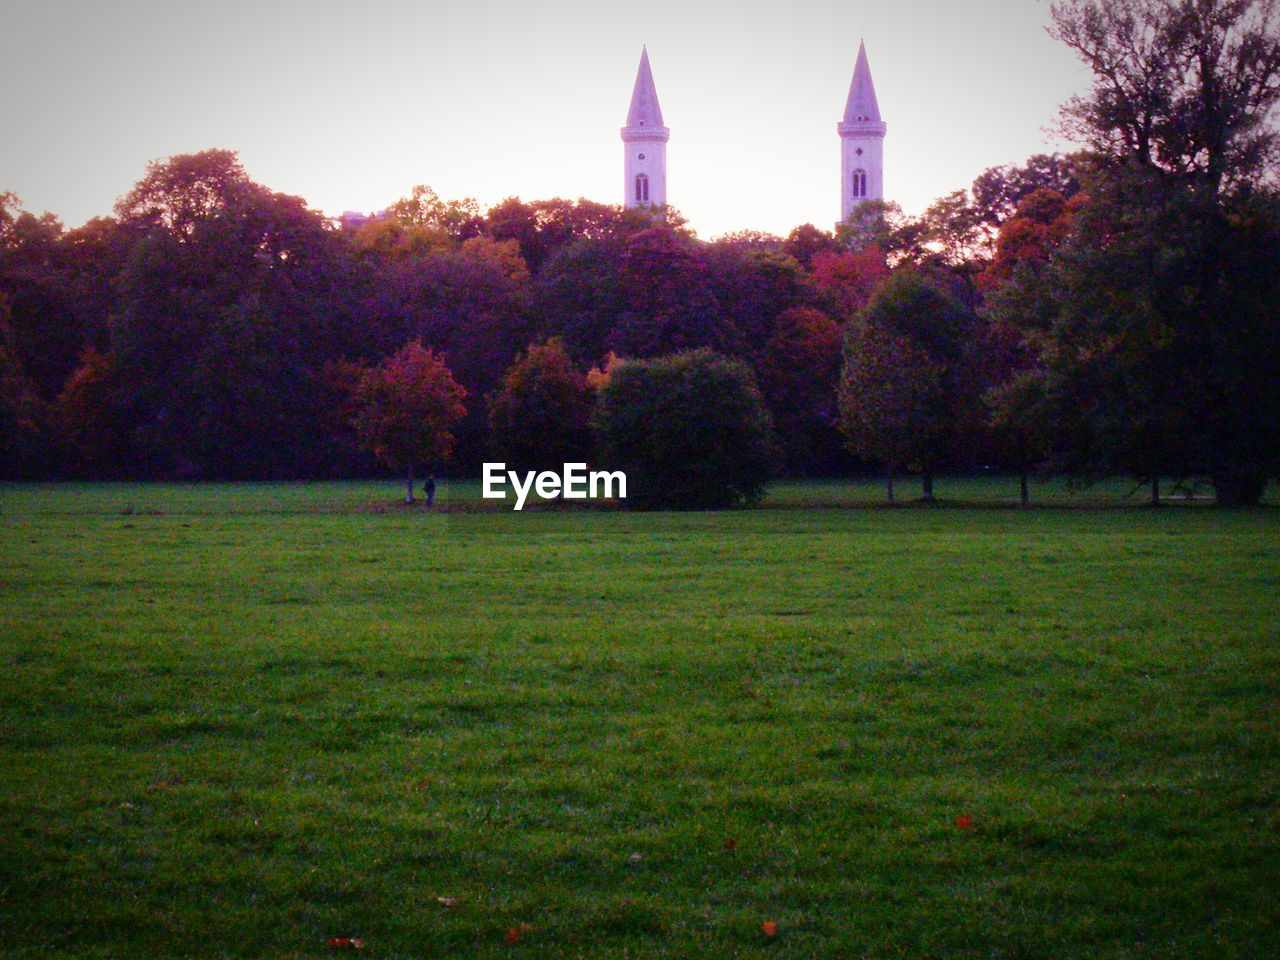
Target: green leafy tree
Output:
[(890, 399), (1016, 316), (998, 191), (1152, 372), (805, 241), (538, 417), (229, 302), (904, 391), (1153, 307), (690, 431), (43, 328), (883, 225), (404, 410)]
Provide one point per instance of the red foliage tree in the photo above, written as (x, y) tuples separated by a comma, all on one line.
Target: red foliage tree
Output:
[(404, 410), (847, 280), (798, 375), (86, 416), (538, 418)]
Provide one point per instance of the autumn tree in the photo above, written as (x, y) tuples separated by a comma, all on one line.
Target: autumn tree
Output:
[(1016, 316), (667, 298), (467, 300), (998, 191), (959, 230), (542, 228), (805, 241), (404, 410), (423, 208), (798, 376), (538, 417), (1038, 227), (87, 420), (844, 281)]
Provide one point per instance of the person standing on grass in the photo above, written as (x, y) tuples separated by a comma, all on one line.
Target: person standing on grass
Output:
[(429, 491)]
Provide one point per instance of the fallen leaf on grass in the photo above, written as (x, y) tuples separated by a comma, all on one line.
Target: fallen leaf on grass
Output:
[(770, 928), (346, 943), (448, 901), (964, 822), (516, 934), (731, 844), (635, 857)]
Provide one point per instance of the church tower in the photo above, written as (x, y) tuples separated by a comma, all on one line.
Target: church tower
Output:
[(861, 141), (644, 144)]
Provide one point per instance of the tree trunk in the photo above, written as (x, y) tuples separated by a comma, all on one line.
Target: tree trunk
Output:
[(889, 481), (1155, 490), (926, 485), (1023, 494), (408, 485)]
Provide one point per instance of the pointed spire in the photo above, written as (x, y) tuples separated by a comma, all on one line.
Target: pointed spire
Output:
[(644, 111), (862, 106)]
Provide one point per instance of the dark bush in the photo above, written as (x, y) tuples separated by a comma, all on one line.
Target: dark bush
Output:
[(690, 431)]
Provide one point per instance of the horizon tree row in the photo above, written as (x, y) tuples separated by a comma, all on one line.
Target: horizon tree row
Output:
[(204, 329), (1110, 312)]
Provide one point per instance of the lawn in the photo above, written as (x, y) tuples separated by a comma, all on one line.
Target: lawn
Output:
[(243, 720)]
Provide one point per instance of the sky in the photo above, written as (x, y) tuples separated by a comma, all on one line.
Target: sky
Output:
[(350, 104)]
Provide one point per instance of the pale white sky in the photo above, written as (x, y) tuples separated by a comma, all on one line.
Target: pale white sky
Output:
[(349, 104)]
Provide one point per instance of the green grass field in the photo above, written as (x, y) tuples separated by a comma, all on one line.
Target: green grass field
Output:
[(242, 720)]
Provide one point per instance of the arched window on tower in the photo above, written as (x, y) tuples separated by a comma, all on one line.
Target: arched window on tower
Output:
[(642, 188), (859, 183)]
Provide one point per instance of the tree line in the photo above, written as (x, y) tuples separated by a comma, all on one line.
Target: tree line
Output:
[(1114, 311)]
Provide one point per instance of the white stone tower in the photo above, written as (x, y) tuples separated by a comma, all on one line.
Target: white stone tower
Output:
[(644, 144), (861, 141)]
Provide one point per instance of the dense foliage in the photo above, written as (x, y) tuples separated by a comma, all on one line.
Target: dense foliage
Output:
[(1113, 311), (903, 392), (538, 417), (404, 410), (690, 431)]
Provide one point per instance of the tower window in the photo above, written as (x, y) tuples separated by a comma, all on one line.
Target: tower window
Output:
[(859, 183), (642, 188)]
